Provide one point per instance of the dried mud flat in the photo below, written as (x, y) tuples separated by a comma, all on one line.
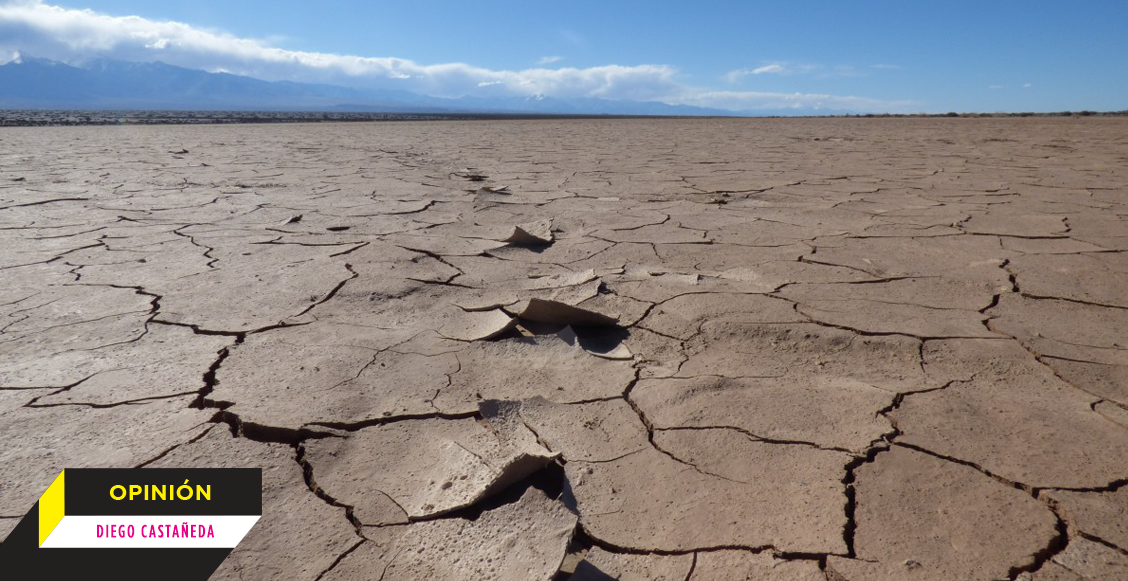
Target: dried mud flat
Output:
[(624, 349)]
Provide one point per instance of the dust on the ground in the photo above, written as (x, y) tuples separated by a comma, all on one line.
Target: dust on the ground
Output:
[(837, 349)]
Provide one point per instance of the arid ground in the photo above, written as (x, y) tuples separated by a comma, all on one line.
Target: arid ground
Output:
[(845, 349)]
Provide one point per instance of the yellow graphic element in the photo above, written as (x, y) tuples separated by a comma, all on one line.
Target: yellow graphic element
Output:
[(51, 508)]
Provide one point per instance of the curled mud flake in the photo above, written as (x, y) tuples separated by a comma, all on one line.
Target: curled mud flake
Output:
[(531, 234), (428, 467), (550, 311), (478, 326)]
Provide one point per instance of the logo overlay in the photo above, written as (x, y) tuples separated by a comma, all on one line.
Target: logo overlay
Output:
[(180, 523)]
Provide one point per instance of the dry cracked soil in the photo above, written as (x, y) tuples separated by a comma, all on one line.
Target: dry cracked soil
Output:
[(836, 349)]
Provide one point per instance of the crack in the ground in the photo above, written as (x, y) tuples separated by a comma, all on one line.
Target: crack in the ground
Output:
[(311, 483)]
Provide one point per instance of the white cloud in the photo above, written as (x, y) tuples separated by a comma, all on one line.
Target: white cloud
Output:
[(996, 87), (547, 60), (1026, 85), (761, 101), (773, 69), (73, 35), (789, 69), (70, 35), (770, 69), (885, 66)]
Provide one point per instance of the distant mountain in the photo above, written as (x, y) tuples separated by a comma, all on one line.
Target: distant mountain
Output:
[(36, 83)]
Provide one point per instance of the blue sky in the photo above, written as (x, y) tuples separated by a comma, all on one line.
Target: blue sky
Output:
[(862, 56)]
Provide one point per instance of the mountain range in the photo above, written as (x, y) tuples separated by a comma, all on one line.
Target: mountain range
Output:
[(101, 84)]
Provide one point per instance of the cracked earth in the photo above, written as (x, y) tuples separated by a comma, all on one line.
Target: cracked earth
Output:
[(833, 350)]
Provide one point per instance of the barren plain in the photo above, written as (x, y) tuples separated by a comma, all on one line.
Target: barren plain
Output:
[(836, 349)]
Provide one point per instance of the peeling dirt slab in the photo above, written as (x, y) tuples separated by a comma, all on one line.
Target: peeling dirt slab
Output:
[(426, 468), (524, 539), (298, 536), (602, 564)]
